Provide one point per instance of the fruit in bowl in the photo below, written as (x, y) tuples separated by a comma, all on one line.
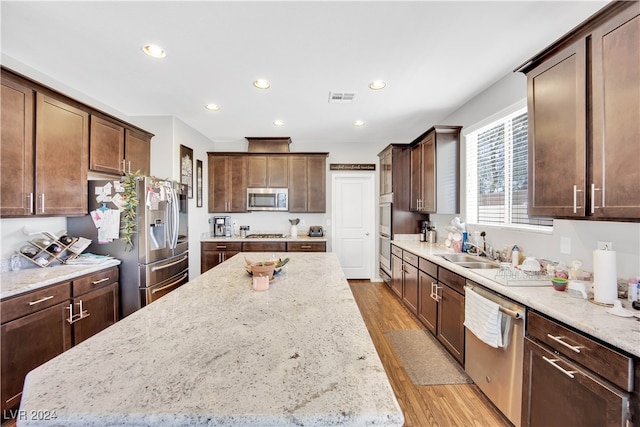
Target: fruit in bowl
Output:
[(559, 283)]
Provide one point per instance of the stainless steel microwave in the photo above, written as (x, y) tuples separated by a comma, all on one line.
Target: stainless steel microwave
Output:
[(267, 199)]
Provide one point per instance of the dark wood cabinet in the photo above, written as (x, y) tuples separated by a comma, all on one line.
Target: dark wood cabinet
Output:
[(264, 246), (410, 281), (137, 151), (62, 156), (227, 183), (36, 325), (451, 322), (396, 274), (106, 146), (570, 379), (268, 171), (427, 305), (98, 295), (307, 183), (435, 171), (306, 246), (386, 171), (584, 136), (43, 173), (16, 149), (214, 253)]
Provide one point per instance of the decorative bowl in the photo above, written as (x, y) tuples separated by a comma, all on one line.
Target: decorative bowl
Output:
[(263, 268), (559, 284)]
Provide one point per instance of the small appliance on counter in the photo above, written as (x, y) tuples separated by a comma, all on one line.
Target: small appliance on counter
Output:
[(220, 226), (315, 231)]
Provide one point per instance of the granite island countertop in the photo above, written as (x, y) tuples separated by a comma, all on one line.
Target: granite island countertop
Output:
[(216, 352), (622, 333)]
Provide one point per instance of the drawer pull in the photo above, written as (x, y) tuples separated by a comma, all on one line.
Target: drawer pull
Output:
[(170, 264), (552, 362), (305, 247), (558, 339), (41, 300), (100, 281), (170, 284), (221, 247)]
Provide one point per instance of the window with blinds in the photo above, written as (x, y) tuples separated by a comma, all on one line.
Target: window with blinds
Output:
[(497, 174)]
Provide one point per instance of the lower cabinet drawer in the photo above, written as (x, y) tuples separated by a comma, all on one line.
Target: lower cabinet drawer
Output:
[(24, 304), (264, 247), (306, 247), (93, 281), (602, 360)]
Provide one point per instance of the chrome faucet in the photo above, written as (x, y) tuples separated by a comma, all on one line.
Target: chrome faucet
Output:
[(478, 250)]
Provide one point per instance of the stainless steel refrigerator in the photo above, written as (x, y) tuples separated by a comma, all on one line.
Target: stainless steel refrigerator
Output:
[(158, 260)]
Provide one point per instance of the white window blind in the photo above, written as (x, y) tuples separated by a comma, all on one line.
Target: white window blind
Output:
[(497, 174)]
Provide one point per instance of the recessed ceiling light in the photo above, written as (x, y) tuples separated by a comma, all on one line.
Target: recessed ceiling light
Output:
[(212, 107), (154, 50), (278, 123), (377, 85), (358, 123), (262, 84)]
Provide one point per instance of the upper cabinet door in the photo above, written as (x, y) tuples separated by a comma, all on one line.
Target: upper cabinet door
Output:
[(614, 190), (429, 173), (557, 134), (137, 152), (62, 156), (268, 171), (16, 155), (106, 146)]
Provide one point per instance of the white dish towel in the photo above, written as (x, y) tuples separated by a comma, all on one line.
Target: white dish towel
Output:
[(484, 319)]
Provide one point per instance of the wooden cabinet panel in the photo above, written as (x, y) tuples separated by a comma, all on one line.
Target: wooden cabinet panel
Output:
[(106, 146), (137, 153), (306, 246), (615, 185), (451, 322), (396, 275), (102, 309), (227, 183), (307, 183), (270, 171), (94, 281), (264, 246), (28, 303), (386, 172), (557, 134), (62, 156), (410, 287), (427, 306), (435, 171), (27, 343), (16, 149)]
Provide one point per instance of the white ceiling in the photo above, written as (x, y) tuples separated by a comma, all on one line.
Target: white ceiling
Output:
[(435, 56)]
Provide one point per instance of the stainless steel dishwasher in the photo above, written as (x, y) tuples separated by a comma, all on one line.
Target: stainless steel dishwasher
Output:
[(498, 371)]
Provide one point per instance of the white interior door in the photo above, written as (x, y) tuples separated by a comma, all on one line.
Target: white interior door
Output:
[(353, 212)]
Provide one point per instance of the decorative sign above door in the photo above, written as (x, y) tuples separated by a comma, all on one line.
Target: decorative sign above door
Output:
[(352, 166)]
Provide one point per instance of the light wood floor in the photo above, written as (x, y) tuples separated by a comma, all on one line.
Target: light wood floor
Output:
[(442, 405)]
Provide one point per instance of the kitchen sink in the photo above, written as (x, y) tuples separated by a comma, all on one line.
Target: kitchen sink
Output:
[(470, 261), (477, 264)]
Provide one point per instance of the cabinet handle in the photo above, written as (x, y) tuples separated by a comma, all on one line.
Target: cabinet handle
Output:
[(558, 339), (434, 292), (41, 300), (575, 198), (31, 203), (129, 166), (221, 247), (73, 318), (308, 246), (42, 204), (170, 284), (96, 282), (552, 362), (124, 168), (593, 199), (162, 267)]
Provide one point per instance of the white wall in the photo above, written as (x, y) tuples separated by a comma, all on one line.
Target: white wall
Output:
[(582, 234)]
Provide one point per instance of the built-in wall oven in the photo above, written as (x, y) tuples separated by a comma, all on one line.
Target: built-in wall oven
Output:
[(385, 233)]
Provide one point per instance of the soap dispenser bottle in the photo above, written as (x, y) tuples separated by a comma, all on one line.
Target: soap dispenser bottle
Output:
[(515, 256)]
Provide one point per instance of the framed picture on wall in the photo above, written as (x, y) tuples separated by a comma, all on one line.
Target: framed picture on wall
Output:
[(198, 183), (186, 168)]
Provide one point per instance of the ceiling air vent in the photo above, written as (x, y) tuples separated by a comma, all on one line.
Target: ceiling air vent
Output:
[(341, 97)]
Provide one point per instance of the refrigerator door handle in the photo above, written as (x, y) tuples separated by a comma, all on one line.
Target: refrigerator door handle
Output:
[(173, 235)]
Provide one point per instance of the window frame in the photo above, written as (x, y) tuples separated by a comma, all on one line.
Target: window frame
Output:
[(492, 120)]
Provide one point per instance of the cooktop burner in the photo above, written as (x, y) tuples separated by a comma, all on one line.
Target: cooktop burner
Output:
[(265, 236)]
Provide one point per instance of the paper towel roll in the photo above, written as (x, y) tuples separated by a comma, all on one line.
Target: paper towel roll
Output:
[(605, 277)]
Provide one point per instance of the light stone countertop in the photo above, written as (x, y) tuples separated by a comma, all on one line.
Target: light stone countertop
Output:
[(16, 282), (216, 352), (620, 332), (207, 237)]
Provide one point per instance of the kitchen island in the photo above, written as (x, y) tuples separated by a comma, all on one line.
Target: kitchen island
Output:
[(216, 352)]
